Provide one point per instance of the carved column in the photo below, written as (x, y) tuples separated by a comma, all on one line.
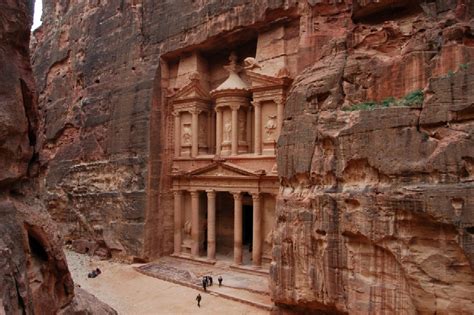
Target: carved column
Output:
[(258, 127), (211, 224), (237, 228), (195, 223), (257, 230), (279, 117), (177, 134), (235, 133), (195, 132), (178, 223), (218, 130)]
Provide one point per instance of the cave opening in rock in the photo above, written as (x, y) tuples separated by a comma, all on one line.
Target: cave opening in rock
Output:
[(36, 248)]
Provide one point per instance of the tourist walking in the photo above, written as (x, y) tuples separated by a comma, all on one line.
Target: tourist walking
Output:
[(204, 283), (198, 299), (210, 280), (220, 280)]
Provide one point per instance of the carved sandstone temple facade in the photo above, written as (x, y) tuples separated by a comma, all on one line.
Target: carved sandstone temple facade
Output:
[(226, 121)]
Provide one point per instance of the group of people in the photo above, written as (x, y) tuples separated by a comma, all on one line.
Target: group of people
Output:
[(94, 273), (206, 282)]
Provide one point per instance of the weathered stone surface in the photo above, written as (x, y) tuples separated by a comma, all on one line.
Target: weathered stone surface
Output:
[(85, 303), (103, 148), (375, 210), (34, 278)]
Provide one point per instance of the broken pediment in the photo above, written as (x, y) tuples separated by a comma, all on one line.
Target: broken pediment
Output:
[(193, 91), (259, 80)]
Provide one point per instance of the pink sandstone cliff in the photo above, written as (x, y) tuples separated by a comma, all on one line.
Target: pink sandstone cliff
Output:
[(375, 206), (34, 277), (375, 212)]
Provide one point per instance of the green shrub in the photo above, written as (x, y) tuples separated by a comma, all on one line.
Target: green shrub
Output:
[(411, 99), (388, 102)]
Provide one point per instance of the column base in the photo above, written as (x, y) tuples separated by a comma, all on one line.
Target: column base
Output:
[(195, 259)]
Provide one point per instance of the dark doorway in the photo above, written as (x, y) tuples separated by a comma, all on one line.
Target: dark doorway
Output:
[(247, 226)]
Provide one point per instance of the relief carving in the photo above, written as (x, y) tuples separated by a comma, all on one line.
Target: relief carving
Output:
[(202, 134), (187, 228), (242, 129), (270, 127), (187, 134), (227, 131)]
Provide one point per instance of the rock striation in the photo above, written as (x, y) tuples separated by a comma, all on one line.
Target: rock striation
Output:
[(34, 277), (375, 211), (375, 158)]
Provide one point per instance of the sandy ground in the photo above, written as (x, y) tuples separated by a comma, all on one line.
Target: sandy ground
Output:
[(130, 292)]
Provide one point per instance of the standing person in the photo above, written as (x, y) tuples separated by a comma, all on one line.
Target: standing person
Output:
[(204, 283), (210, 280), (198, 298), (220, 280)]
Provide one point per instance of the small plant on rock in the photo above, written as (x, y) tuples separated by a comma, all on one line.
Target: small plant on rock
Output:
[(411, 99), (388, 102)]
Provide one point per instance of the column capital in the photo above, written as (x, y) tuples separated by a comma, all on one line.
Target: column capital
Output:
[(237, 195), (195, 111), (279, 100), (176, 113), (234, 107), (256, 103), (194, 193), (218, 109), (211, 193), (177, 192), (256, 196)]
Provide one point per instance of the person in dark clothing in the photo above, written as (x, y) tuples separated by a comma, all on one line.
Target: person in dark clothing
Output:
[(220, 280), (210, 280), (198, 298), (204, 283), (97, 271)]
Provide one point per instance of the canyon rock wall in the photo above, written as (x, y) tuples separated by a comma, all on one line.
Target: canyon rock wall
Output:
[(375, 212), (34, 278), (103, 159), (375, 207), (33, 271)]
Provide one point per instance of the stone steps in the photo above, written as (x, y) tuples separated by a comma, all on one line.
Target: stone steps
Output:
[(228, 296)]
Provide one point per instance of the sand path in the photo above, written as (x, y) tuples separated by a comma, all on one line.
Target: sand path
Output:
[(130, 292)]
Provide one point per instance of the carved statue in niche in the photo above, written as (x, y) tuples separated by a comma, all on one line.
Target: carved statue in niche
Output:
[(187, 134), (227, 131), (187, 228), (242, 129), (270, 127)]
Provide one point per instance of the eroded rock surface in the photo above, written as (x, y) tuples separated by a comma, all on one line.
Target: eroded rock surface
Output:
[(34, 278), (375, 208), (375, 212), (103, 153)]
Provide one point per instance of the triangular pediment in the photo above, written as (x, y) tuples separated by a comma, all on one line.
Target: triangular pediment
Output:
[(192, 91), (259, 80), (221, 169)]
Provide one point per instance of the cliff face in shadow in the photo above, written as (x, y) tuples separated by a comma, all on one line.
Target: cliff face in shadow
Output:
[(34, 278)]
